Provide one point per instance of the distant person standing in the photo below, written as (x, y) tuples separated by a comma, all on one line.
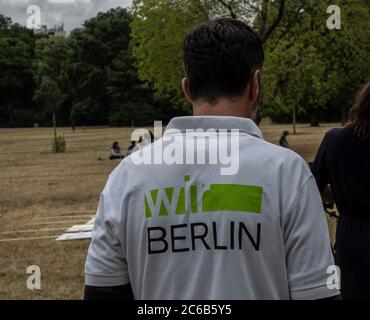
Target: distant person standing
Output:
[(343, 162), (115, 152), (283, 141)]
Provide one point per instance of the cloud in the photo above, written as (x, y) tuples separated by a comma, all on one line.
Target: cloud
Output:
[(71, 12)]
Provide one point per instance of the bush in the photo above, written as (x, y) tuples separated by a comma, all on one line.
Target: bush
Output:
[(59, 144)]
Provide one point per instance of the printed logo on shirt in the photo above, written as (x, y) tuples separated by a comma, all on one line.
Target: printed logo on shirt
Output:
[(195, 199), (203, 198)]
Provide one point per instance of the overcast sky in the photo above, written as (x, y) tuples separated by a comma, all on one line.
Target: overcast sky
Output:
[(72, 12)]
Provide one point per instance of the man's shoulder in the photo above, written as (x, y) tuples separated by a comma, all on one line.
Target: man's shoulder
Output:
[(277, 151), (277, 157)]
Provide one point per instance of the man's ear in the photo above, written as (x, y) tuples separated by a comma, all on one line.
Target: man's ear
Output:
[(254, 86), (186, 89)]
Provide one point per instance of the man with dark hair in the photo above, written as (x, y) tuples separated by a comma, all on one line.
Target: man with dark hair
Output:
[(220, 58), (236, 218)]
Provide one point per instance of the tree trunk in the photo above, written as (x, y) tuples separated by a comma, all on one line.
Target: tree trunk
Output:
[(73, 125), (294, 121), (343, 116), (315, 118), (55, 126)]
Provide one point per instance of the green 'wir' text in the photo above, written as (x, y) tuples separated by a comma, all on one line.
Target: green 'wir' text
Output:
[(190, 199)]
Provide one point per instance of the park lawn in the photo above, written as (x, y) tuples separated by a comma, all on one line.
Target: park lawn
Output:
[(52, 192)]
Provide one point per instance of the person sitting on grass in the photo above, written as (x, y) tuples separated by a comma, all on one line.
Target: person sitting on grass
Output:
[(115, 152), (283, 142)]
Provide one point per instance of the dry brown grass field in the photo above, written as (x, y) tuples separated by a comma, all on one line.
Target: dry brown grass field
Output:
[(42, 194)]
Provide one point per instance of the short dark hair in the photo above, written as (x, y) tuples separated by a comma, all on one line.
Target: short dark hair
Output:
[(219, 58)]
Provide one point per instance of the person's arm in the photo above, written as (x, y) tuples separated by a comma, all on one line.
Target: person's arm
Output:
[(319, 169), (307, 245), (123, 292), (327, 195), (106, 270)]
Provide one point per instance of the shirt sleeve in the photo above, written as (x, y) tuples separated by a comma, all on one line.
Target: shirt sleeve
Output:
[(319, 169), (307, 246), (105, 265)]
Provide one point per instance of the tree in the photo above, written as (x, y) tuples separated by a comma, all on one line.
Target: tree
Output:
[(87, 78), (265, 15), (16, 77), (52, 92), (95, 46), (51, 97), (131, 102), (159, 27), (311, 70)]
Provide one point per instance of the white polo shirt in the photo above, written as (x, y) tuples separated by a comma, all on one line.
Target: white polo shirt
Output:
[(252, 227)]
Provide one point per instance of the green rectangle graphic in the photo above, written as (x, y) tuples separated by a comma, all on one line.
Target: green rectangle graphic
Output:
[(233, 197)]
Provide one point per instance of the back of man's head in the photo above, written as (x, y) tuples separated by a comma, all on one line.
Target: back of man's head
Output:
[(220, 57)]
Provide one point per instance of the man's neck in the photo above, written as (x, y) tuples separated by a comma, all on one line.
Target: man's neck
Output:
[(222, 107)]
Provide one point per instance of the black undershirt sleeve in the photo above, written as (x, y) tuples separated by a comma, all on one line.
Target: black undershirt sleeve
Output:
[(109, 293), (125, 293), (339, 297)]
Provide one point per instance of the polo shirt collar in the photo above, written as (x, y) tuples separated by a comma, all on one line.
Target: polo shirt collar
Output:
[(214, 122)]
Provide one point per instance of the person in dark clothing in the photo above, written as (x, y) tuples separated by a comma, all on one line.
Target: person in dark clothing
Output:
[(283, 141), (115, 152), (343, 162), (131, 148)]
